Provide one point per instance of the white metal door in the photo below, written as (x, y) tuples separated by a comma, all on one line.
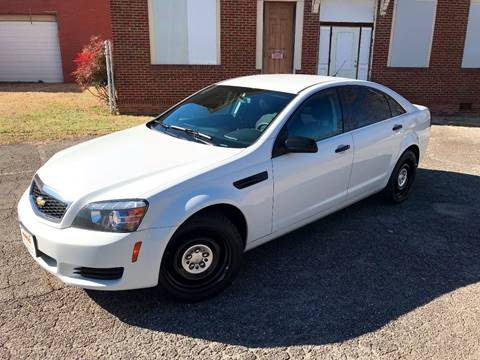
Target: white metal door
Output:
[(29, 50), (344, 52)]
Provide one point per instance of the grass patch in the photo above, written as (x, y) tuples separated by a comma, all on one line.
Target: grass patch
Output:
[(40, 113)]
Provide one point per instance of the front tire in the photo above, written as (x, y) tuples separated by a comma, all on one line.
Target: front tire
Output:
[(401, 181), (202, 258)]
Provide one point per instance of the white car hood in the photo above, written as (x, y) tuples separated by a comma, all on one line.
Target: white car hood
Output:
[(137, 160)]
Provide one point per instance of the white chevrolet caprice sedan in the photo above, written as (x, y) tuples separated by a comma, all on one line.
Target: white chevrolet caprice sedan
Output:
[(177, 201)]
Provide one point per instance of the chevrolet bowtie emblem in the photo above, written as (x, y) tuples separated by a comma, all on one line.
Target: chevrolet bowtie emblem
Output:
[(40, 201)]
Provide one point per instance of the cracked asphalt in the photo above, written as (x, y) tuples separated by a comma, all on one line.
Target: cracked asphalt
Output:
[(373, 281)]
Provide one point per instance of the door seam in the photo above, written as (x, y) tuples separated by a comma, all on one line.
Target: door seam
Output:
[(351, 167)]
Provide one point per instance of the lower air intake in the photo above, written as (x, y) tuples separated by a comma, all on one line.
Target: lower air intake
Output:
[(99, 273)]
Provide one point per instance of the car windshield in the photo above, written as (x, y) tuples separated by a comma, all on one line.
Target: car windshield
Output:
[(221, 115)]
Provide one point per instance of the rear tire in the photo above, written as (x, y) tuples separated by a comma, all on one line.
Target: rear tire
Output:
[(203, 257), (401, 181)]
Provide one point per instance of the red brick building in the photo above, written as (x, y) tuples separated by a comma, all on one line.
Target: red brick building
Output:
[(428, 50), (40, 38)]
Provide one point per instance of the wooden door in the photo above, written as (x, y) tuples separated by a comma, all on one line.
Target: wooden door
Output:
[(278, 37)]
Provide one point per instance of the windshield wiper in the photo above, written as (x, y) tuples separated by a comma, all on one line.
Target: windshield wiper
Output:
[(207, 139)]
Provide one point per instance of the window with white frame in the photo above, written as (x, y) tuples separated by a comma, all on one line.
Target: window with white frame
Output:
[(412, 33), (184, 31), (471, 54)]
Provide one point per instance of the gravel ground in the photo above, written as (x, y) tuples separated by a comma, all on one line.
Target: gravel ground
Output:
[(372, 281)]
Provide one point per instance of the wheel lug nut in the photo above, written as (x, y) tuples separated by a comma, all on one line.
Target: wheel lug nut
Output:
[(191, 266), (189, 257), (202, 264), (197, 250), (205, 254)]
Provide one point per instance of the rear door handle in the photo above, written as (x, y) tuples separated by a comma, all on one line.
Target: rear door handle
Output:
[(397, 127), (342, 148)]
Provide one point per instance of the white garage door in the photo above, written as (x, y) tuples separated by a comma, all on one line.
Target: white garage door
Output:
[(29, 49)]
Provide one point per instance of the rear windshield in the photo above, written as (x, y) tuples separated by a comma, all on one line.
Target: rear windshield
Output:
[(226, 116)]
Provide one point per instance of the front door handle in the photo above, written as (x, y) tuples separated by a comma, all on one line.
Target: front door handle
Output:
[(342, 148), (397, 127)]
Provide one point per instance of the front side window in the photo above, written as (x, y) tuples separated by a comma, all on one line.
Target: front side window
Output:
[(320, 117), (366, 106), (184, 31), (226, 116)]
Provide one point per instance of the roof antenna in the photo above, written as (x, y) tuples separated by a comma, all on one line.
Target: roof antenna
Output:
[(340, 69)]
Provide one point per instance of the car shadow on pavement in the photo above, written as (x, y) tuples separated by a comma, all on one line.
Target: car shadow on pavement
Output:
[(336, 279)]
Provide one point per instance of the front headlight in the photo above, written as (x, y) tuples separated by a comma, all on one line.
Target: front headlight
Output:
[(114, 216)]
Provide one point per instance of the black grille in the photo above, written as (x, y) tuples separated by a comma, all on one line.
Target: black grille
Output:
[(52, 208), (99, 273)]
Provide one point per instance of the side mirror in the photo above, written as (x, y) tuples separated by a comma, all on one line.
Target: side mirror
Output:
[(300, 144)]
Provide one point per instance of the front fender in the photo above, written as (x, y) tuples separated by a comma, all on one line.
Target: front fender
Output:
[(182, 208), (173, 208)]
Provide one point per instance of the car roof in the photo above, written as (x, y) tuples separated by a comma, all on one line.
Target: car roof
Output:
[(288, 83)]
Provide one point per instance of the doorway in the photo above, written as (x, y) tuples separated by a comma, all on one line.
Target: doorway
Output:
[(278, 37), (344, 50)]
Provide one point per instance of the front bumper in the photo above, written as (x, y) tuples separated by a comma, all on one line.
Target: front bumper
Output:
[(61, 251)]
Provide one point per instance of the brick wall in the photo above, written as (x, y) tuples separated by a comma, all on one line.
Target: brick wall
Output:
[(443, 85), (311, 31), (77, 21), (149, 89)]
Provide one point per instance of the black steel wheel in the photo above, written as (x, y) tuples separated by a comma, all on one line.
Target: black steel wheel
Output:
[(202, 258), (401, 181)]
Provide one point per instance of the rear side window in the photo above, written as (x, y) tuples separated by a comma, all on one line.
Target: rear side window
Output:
[(395, 107), (318, 118), (365, 106)]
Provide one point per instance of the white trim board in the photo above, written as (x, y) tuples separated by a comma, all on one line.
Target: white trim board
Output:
[(36, 18)]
